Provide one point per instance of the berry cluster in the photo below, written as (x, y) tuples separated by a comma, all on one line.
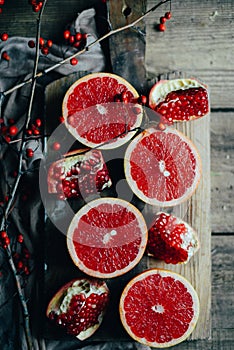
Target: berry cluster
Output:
[(36, 5), (163, 19), (8, 132), (126, 97), (77, 40), (44, 45), (34, 128), (4, 239)]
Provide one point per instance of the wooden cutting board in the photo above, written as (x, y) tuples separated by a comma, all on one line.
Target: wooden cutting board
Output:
[(127, 50)]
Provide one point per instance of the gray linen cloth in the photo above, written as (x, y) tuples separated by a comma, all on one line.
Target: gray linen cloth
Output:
[(27, 213)]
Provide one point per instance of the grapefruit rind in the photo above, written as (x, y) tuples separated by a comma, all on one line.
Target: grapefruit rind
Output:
[(163, 273), (161, 89), (132, 183), (119, 141), (83, 211)]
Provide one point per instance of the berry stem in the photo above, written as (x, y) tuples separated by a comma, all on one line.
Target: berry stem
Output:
[(86, 48)]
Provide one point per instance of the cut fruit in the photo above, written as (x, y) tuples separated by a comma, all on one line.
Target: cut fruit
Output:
[(171, 239), (79, 174), (162, 167), (179, 99), (94, 118), (159, 308), (107, 237), (79, 307)]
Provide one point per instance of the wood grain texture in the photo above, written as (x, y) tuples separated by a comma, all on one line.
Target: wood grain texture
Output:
[(222, 172), (199, 41)]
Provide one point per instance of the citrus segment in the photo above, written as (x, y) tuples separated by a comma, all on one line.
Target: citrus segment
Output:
[(107, 237), (159, 308), (162, 167), (92, 115), (180, 99)]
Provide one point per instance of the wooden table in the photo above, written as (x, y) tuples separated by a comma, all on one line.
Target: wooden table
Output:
[(199, 41)]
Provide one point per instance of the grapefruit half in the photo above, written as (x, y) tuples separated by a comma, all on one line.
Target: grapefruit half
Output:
[(94, 118), (107, 237), (162, 167), (180, 99), (159, 308)]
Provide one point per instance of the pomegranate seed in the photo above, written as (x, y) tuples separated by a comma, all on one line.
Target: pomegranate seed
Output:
[(31, 44), (66, 34), (56, 146), (49, 43), (163, 20), (20, 238), (29, 152), (168, 15), (73, 61), (161, 27), (5, 56), (45, 50), (78, 36), (13, 130), (4, 36)]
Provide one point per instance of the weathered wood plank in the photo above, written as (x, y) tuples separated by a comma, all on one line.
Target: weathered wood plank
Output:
[(127, 48), (222, 172), (198, 40)]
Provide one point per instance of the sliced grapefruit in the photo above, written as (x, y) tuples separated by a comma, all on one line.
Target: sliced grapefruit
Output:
[(159, 308), (107, 237), (171, 239), (94, 118), (162, 168), (180, 99)]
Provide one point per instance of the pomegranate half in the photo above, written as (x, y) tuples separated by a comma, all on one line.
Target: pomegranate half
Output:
[(79, 306)]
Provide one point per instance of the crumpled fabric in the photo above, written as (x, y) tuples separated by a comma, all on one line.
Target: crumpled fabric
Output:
[(28, 210)]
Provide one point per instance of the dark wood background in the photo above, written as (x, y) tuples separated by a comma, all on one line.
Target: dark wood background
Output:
[(199, 39)]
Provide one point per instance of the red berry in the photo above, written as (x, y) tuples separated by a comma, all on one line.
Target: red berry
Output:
[(31, 44), (163, 20), (3, 234), (143, 99), (7, 139), (29, 152), (161, 27), (29, 132), (7, 241), (36, 8), (13, 130), (78, 36), (20, 238), (76, 44), (168, 15), (20, 265), (4, 36), (36, 132), (0, 10), (45, 50), (66, 34), (84, 36), (71, 39), (40, 4), (49, 43), (41, 42), (5, 56), (73, 61), (2, 2), (38, 122), (11, 121), (56, 146)]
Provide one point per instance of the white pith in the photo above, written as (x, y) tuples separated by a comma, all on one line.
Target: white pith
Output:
[(132, 183), (119, 141), (163, 273), (164, 87), (83, 211)]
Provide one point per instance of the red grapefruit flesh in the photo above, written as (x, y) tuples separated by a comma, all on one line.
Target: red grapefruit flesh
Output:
[(179, 99), (171, 239), (159, 308), (107, 237), (162, 167), (79, 307), (92, 115), (78, 174)]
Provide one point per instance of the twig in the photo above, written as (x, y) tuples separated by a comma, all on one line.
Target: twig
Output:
[(16, 184), (112, 32)]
